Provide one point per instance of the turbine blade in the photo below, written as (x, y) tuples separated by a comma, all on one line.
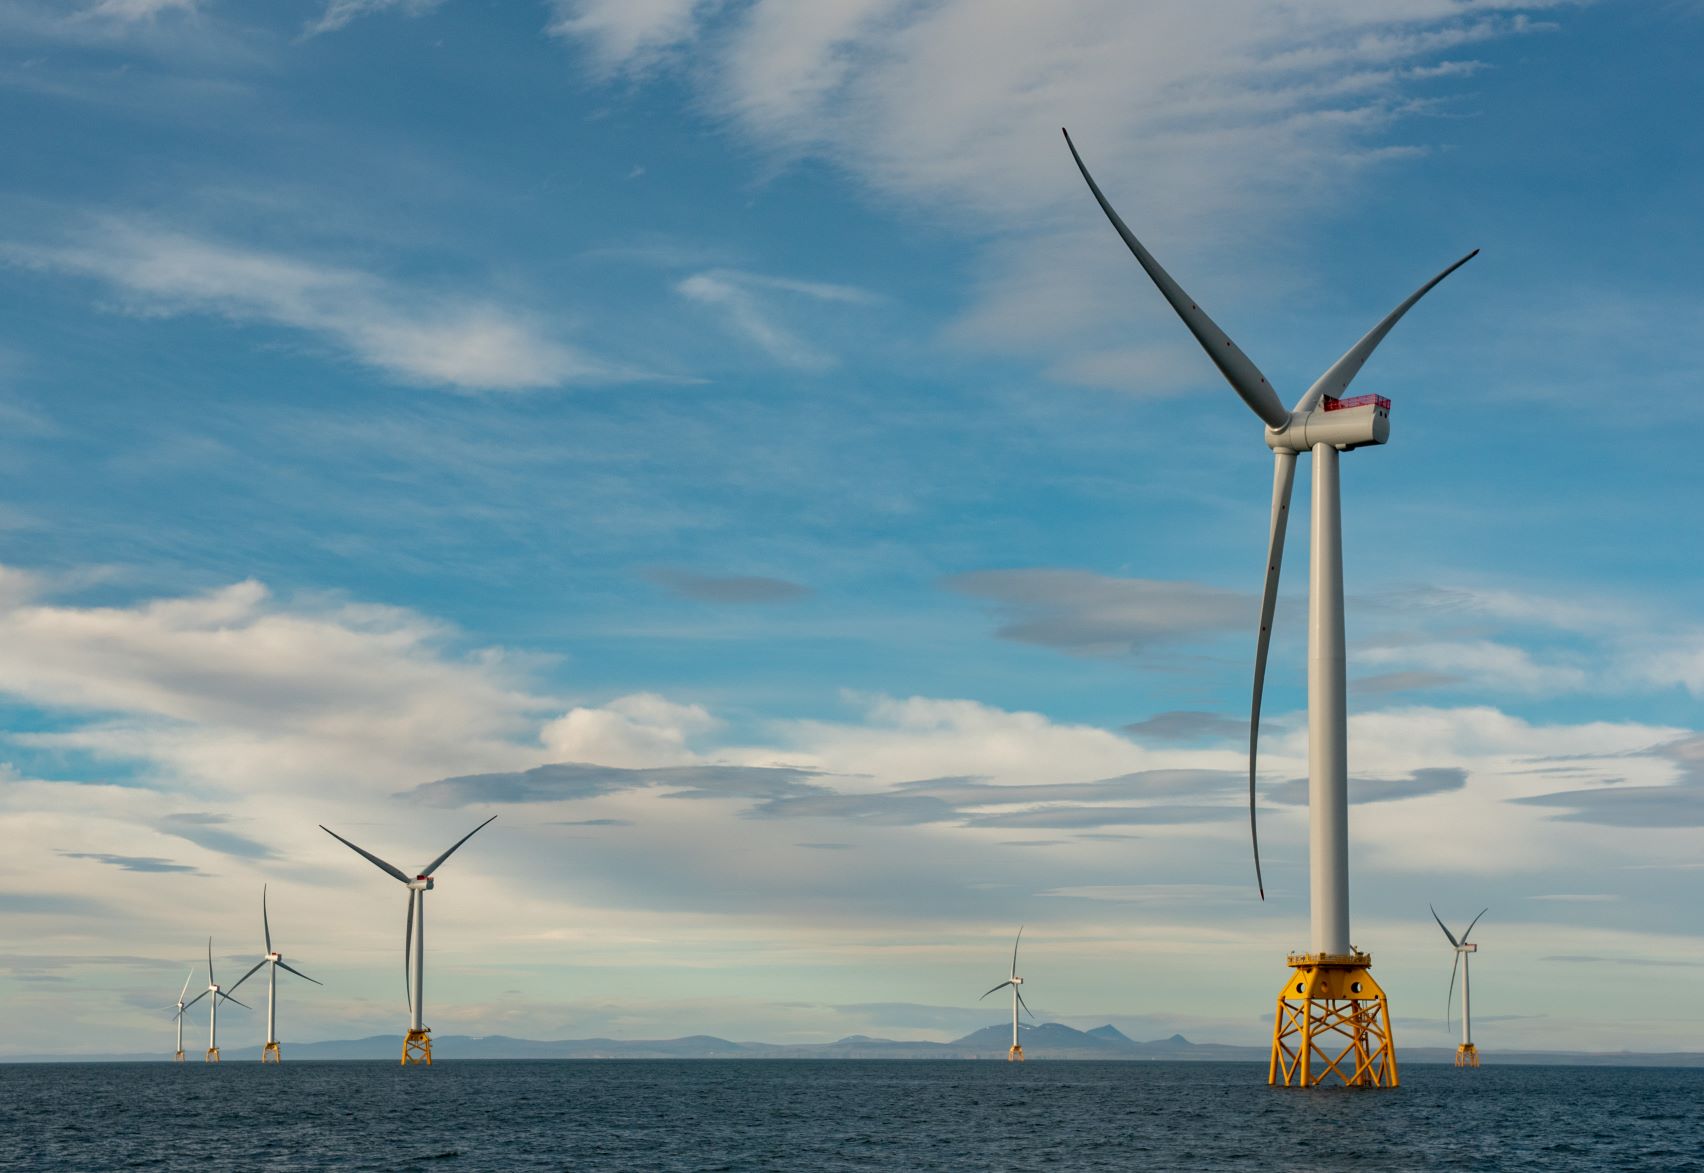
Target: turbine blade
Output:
[(1471, 923), (265, 924), (247, 975), (1024, 1004), (408, 952), (1447, 933), (210, 978), (1001, 986), (1336, 380), (1015, 950), (228, 998), (193, 1001), (432, 867), (368, 856), (1451, 999), (1245, 378), (186, 982), (300, 974), (1283, 481)]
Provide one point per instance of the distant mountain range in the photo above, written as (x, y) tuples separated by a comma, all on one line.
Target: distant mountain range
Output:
[(1050, 1040)]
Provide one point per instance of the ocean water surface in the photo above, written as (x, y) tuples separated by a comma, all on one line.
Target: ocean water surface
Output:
[(837, 1115)]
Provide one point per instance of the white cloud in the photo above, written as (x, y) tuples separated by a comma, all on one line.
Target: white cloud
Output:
[(1208, 132), (1680, 662), (338, 13), (738, 297), (251, 719), (129, 10), (628, 35), (632, 731), (233, 688), (416, 337)]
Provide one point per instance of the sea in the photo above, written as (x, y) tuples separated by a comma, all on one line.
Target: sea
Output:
[(837, 1115)]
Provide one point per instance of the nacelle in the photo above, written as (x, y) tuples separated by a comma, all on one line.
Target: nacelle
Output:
[(1344, 424)]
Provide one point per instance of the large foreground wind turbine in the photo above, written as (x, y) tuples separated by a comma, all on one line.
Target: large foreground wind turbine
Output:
[(1329, 1009), (181, 1005), (276, 962), (1016, 1054), (417, 1047), (213, 988), (1467, 1055)]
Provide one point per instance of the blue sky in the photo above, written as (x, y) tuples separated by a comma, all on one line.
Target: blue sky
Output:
[(740, 414)]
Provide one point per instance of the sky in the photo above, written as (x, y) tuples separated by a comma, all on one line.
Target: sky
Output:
[(724, 440)]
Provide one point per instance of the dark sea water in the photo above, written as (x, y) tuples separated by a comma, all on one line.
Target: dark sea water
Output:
[(833, 1115)]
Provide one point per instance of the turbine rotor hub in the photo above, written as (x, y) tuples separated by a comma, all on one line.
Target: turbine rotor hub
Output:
[(421, 883)]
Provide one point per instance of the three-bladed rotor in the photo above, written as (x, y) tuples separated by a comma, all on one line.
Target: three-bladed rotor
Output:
[(1014, 981), (271, 956), (213, 986), (417, 885), (1462, 947), (1319, 417)]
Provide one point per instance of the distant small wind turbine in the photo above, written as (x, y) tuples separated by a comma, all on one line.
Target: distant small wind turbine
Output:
[(1016, 1054), (276, 961), (417, 1047), (1467, 1055), (212, 1008), (179, 1015)]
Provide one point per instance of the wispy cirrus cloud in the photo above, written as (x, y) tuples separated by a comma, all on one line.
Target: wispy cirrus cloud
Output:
[(413, 336), (956, 104), (749, 305), (338, 13), (631, 35), (140, 9)]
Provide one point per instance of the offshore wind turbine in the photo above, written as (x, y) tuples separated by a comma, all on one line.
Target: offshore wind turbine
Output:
[(417, 1046), (1016, 1054), (1330, 1009), (1467, 1055), (275, 960), (181, 1004), (213, 988)]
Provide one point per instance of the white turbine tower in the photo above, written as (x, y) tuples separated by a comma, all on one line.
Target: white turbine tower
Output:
[(212, 1008), (1329, 1009), (1467, 1055), (181, 1005), (1016, 1054), (276, 962), (417, 1047)]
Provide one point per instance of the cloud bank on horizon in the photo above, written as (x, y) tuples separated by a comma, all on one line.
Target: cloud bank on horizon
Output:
[(856, 561)]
